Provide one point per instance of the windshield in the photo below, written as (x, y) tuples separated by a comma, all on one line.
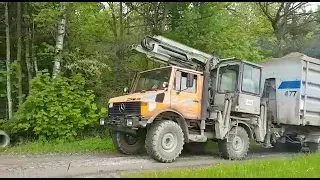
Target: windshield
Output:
[(228, 76), (251, 79), (152, 80)]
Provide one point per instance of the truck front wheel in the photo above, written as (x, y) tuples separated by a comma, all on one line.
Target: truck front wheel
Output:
[(126, 143), (238, 146), (164, 141)]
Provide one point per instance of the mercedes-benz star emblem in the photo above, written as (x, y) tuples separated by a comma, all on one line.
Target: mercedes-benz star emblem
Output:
[(122, 107)]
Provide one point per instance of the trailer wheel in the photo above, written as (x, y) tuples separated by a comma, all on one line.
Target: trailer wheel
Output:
[(238, 146), (195, 147), (127, 144), (164, 141)]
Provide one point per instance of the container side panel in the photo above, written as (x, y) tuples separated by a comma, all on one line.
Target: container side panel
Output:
[(313, 104), (310, 96)]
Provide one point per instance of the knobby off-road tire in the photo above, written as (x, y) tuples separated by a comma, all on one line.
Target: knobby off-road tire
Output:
[(127, 144), (195, 148), (164, 141), (238, 146)]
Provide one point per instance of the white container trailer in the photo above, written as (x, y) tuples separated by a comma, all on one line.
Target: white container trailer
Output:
[(292, 85)]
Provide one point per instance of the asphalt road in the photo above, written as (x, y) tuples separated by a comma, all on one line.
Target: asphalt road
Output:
[(106, 166)]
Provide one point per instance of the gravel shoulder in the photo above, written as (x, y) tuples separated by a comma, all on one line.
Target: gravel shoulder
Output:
[(106, 166)]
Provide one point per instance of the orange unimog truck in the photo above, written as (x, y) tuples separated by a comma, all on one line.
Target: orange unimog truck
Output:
[(199, 97), (171, 107)]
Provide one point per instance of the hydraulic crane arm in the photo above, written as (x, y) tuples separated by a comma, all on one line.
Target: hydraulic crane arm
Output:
[(163, 50)]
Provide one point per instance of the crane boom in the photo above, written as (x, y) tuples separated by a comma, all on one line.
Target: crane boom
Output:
[(164, 50)]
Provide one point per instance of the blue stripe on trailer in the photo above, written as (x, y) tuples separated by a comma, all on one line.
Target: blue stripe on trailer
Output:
[(290, 85)]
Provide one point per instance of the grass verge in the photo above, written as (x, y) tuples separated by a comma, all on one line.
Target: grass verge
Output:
[(303, 166), (88, 145)]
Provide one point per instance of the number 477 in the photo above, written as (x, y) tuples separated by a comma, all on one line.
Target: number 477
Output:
[(290, 93)]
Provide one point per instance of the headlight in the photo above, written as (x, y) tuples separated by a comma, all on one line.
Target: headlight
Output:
[(129, 122), (110, 105)]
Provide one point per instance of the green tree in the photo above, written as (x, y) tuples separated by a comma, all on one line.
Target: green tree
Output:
[(289, 21)]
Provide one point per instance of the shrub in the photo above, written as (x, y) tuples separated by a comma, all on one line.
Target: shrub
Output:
[(57, 108)]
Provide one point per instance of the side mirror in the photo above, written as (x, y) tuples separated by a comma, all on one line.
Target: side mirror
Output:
[(125, 90), (190, 78), (165, 84)]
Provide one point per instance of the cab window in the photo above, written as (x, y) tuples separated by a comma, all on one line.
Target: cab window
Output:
[(251, 79), (181, 83), (228, 76)]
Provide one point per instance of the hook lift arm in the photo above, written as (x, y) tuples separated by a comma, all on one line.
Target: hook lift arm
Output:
[(164, 50)]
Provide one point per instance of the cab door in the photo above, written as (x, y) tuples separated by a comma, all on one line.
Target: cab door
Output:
[(186, 94)]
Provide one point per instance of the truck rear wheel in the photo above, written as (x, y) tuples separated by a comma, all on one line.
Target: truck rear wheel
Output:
[(164, 141), (238, 146), (126, 143)]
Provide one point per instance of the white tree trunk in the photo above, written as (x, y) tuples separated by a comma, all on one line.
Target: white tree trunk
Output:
[(59, 41), (6, 16), (28, 58), (33, 56)]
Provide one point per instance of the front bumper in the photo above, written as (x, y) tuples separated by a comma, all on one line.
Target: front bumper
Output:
[(127, 124)]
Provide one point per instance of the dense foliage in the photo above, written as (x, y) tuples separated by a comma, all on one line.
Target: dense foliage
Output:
[(57, 109)]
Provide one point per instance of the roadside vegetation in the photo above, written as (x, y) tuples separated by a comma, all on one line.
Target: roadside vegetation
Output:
[(91, 145), (301, 166)]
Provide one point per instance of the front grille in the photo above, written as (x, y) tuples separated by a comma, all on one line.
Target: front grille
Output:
[(126, 108)]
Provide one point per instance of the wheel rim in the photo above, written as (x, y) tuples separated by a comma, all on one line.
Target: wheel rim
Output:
[(237, 144), (169, 142), (131, 140)]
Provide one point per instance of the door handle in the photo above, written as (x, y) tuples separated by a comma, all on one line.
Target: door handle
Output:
[(196, 101)]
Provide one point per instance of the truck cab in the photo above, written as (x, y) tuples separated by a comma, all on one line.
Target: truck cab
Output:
[(165, 89), (243, 80)]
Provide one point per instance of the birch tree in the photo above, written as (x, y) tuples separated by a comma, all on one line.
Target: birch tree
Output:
[(33, 57), (59, 41), (6, 16)]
